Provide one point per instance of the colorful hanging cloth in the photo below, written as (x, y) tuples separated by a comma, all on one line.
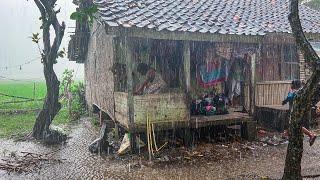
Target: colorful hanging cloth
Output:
[(212, 73)]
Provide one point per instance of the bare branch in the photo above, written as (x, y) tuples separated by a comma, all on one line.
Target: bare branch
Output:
[(45, 4), (54, 2), (51, 51), (310, 55), (41, 8), (45, 25), (59, 31)]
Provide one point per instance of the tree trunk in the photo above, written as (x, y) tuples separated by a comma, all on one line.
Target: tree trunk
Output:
[(302, 103), (51, 104), (49, 55), (292, 168)]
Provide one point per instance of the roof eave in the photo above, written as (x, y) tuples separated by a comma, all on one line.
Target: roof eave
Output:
[(179, 35), (209, 37)]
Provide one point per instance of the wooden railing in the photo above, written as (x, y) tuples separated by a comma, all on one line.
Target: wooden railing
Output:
[(267, 93), (271, 92)]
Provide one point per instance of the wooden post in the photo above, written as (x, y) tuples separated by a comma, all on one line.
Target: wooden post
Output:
[(186, 67), (249, 130), (129, 69), (186, 64), (253, 84), (34, 91), (116, 131), (282, 63)]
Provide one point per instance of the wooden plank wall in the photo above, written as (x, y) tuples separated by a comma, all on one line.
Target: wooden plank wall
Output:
[(268, 67), (271, 92), (246, 95), (166, 107), (278, 62), (98, 76), (160, 108), (121, 108)]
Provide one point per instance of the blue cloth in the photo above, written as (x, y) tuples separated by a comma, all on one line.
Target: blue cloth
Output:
[(212, 73), (290, 97)]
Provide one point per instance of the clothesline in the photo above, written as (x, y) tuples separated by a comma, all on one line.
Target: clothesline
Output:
[(20, 65)]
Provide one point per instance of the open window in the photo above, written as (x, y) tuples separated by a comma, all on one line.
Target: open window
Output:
[(290, 62)]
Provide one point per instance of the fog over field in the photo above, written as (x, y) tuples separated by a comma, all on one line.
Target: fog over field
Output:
[(19, 19)]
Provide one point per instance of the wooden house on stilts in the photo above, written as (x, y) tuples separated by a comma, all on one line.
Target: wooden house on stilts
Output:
[(241, 47)]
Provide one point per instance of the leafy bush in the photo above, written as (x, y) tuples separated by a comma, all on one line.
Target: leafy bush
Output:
[(73, 95), (78, 104)]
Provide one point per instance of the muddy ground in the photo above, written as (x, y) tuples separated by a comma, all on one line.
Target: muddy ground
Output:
[(206, 161)]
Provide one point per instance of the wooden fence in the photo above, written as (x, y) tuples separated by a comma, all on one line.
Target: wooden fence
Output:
[(267, 93), (271, 92)]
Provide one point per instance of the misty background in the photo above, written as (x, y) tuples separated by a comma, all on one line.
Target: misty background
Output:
[(19, 19)]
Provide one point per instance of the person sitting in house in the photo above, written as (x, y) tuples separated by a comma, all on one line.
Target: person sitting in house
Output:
[(153, 82), (295, 86)]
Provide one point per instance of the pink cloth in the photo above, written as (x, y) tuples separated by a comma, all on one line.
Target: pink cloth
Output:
[(209, 108)]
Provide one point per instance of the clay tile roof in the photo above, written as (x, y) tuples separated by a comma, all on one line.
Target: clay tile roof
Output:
[(242, 17)]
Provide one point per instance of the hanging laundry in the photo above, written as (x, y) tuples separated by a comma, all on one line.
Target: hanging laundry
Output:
[(212, 73)]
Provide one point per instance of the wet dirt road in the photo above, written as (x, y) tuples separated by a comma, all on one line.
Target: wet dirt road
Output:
[(211, 161)]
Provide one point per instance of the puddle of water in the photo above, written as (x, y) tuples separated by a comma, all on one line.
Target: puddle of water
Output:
[(79, 163)]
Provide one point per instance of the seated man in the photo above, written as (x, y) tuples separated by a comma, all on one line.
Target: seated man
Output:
[(153, 82)]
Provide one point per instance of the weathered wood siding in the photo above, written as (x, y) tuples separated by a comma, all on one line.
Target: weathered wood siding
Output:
[(168, 107), (271, 92), (268, 93), (160, 108), (246, 96), (121, 108), (98, 76), (278, 62)]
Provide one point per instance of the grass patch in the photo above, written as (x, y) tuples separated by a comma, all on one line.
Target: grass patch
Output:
[(20, 124), (31, 90), (62, 117), (16, 124)]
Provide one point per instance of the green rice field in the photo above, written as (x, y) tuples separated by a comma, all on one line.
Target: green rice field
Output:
[(21, 122), (30, 90)]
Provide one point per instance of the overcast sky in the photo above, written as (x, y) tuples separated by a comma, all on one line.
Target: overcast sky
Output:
[(19, 19)]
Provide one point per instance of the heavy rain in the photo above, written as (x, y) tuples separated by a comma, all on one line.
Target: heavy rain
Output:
[(159, 89)]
